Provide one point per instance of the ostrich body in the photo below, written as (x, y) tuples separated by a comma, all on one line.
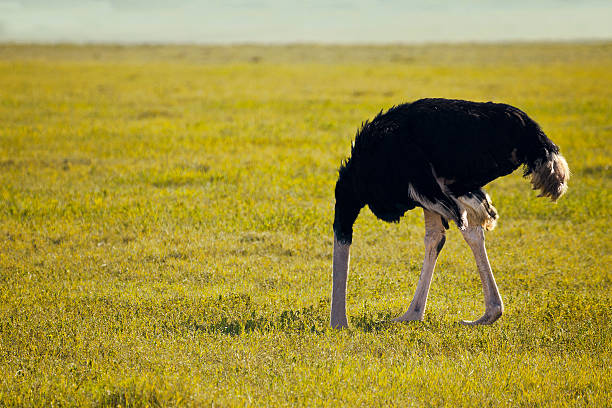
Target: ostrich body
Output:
[(437, 154)]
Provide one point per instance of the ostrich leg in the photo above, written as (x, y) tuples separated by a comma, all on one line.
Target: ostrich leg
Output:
[(494, 306), (340, 273), (434, 241)]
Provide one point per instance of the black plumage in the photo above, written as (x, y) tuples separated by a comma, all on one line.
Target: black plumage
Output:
[(431, 152)]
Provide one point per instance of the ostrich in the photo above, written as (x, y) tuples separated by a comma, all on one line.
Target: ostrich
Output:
[(437, 154)]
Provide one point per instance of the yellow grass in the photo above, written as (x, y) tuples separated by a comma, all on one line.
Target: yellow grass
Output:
[(165, 231)]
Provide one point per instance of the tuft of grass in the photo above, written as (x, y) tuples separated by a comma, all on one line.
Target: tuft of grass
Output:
[(165, 231)]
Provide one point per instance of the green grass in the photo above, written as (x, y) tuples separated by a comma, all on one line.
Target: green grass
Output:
[(165, 231)]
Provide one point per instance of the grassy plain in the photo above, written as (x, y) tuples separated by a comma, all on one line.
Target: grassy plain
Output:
[(165, 231)]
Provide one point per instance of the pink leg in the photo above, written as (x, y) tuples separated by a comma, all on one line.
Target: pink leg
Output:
[(340, 274), (494, 306), (434, 241)]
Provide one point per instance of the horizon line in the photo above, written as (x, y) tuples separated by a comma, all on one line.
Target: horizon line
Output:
[(593, 40)]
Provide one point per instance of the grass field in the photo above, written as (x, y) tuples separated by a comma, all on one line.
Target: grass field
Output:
[(165, 231)]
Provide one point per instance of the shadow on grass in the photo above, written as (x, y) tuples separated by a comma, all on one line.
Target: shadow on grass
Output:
[(370, 322), (237, 315), (129, 397), (302, 320)]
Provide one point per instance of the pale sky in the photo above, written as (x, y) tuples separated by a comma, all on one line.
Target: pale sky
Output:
[(287, 21)]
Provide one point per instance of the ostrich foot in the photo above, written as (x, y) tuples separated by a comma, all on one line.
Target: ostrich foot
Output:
[(490, 316), (339, 324), (409, 316)]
